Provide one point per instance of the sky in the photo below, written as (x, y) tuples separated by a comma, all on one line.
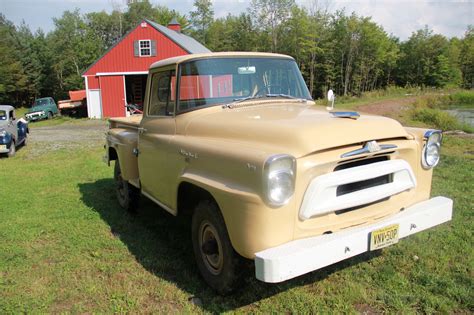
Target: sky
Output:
[(398, 17)]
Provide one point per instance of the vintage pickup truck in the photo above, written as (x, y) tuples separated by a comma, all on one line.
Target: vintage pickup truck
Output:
[(235, 141), (13, 131), (42, 108)]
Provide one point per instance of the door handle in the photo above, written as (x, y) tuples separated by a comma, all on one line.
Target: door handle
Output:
[(141, 130)]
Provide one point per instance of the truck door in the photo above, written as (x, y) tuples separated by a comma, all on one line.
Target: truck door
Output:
[(12, 125), (155, 137)]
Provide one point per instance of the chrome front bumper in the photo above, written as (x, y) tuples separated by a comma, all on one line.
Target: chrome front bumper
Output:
[(302, 256)]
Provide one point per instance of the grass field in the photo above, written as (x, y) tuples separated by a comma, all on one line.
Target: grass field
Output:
[(66, 246)]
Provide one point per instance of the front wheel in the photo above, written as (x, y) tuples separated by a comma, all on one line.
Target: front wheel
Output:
[(127, 195), (217, 261), (50, 115)]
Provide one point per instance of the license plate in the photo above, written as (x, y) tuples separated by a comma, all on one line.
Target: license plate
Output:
[(384, 237), (3, 146)]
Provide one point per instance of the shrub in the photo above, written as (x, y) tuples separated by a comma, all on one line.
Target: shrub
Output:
[(463, 98), (438, 119)]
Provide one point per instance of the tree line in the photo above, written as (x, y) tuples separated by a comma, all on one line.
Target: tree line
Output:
[(348, 53)]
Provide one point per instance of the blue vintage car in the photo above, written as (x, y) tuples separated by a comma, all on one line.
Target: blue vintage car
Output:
[(13, 132)]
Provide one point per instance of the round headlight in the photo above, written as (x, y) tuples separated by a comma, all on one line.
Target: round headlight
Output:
[(279, 179), (431, 150)]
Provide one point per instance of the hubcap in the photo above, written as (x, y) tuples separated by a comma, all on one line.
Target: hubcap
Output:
[(211, 248)]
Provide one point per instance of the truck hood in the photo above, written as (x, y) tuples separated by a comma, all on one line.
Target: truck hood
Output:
[(295, 129), (38, 109)]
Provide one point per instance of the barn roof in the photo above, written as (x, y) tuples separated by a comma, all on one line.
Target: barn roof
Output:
[(186, 42)]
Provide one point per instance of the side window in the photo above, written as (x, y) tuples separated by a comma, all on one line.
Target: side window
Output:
[(11, 115), (161, 100)]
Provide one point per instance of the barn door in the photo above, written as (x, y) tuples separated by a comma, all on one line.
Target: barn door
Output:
[(113, 96)]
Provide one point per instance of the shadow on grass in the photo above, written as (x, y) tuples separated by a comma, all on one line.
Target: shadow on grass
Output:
[(162, 244)]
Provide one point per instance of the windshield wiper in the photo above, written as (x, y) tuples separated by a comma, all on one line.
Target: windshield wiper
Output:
[(240, 100)]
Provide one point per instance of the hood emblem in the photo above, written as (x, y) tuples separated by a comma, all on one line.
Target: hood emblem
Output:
[(369, 147), (372, 146)]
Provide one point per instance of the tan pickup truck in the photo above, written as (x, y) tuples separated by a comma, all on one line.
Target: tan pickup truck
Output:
[(235, 141)]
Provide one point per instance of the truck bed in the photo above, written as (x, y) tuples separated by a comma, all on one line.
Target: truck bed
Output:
[(130, 122)]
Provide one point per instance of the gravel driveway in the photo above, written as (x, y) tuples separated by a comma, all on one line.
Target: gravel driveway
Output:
[(84, 134)]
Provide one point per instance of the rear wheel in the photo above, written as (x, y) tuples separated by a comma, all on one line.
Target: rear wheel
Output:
[(12, 151), (217, 261), (128, 196)]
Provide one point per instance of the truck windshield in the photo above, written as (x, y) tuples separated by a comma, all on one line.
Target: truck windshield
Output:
[(224, 80), (3, 115), (40, 102)]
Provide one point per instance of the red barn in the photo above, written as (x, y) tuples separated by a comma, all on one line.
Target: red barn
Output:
[(119, 76)]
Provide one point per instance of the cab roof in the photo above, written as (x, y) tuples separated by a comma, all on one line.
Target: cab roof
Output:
[(6, 107), (180, 59)]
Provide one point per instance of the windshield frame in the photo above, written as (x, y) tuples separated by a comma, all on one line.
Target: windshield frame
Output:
[(223, 103)]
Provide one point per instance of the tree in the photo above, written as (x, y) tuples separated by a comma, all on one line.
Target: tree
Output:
[(270, 15), (14, 81), (76, 46), (466, 59), (201, 19)]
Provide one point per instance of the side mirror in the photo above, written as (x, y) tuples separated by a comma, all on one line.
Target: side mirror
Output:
[(331, 98)]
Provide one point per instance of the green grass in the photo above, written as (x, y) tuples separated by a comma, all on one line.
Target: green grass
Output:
[(56, 120), (66, 246)]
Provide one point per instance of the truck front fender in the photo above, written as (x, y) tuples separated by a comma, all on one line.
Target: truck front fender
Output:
[(246, 216)]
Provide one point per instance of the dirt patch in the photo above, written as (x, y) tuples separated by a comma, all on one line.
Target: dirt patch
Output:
[(89, 133), (389, 108)]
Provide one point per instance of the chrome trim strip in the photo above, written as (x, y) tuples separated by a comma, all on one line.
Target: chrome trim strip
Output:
[(366, 150)]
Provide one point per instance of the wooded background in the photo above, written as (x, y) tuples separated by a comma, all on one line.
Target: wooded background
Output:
[(346, 52)]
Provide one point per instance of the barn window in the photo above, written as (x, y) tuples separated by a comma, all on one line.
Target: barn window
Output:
[(144, 48)]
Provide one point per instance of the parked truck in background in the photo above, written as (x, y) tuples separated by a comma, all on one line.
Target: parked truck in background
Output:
[(42, 108)]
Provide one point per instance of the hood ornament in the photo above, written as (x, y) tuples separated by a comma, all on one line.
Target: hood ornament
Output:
[(369, 147)]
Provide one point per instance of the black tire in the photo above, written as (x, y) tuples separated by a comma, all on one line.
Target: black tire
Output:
[(50, 115), (218, 263), (25, 141), (12, 151), (128, 196)]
